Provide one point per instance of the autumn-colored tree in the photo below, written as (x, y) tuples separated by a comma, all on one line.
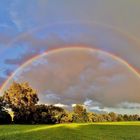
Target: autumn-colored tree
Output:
[(106, 117), (113, 116), (90, 116), (100, 118), (67, 117), (20, 95), (95, 117), (80, 113)]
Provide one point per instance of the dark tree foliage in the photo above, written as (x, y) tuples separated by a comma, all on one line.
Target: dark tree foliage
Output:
[(5, 117), (38, 114), (120, 117), (48, 114)]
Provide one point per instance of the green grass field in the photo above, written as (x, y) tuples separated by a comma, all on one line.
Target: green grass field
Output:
[(94, 131)]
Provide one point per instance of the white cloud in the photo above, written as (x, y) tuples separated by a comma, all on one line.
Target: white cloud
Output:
[(61, 105)]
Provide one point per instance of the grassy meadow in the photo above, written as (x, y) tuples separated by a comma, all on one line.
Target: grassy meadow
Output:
[(74, 131)]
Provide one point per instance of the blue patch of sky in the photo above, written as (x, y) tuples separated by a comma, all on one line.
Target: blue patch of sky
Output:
[(11, 53), (24, 19), (62, 31), (15, 52), (5, 69), (5, 19)]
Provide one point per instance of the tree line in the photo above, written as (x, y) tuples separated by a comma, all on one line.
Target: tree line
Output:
[(22, 100)]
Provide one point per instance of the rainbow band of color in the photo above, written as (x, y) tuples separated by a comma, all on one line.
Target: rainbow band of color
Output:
[(69, 48)]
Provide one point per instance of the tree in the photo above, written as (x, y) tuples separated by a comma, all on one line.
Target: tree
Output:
[(80, 114), (20, 95), (21, 98), (136, 117), (120, 117), (5, 117), (56, 112), (95, 117), (90, 116), (1, 104), (100, 118), (39, 114), (106, 117), (126, 117), (67, 117), (113, 116)]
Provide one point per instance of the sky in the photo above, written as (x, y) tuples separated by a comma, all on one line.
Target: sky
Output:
[(30, 28)]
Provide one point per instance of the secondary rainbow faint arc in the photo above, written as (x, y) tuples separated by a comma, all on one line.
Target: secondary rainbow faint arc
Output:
[(117, 30), (69, 48)]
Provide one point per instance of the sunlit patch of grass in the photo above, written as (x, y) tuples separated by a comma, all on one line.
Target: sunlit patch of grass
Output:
[(44, 127)]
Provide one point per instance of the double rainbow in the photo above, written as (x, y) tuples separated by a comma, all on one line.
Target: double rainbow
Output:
[(52, 51)]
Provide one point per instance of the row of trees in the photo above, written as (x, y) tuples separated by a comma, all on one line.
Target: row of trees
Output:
[(22, 100), (80, 114)]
